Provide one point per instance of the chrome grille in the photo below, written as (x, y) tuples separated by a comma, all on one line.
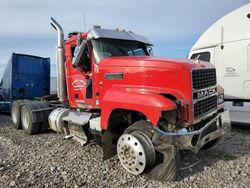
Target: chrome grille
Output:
[(205, 106), (203, 78)]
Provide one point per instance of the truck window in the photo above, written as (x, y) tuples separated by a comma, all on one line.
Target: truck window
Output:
[(114, 47), (84, 63), (203, 56)]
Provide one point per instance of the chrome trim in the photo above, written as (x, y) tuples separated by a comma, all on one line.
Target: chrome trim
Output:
[(60, 34), (183, 140), (199, 118), (201, 69), (60, 60), (197, 90), (203, 98)]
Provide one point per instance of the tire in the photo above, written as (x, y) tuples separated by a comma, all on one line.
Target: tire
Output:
[(27, 121), (36, 115), (167, 156), (16, 113), (167, 168), (135, 152), (210, 144)]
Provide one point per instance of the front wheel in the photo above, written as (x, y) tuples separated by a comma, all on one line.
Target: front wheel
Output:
[(141, 151), (136, 152)]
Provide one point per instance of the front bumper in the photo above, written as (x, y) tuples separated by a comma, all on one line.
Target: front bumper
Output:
[(217, 126)]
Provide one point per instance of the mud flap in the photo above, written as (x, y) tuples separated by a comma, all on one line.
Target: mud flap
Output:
[(109, 141)]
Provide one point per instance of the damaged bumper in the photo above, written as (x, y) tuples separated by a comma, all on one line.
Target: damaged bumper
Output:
[(217, 126)]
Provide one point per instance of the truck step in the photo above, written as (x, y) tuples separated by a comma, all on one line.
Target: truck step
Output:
[(74, 126)]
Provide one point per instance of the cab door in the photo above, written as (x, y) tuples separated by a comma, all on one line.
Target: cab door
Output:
[(79, 79)]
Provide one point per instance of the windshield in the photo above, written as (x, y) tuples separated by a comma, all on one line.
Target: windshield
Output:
[(113, 47)]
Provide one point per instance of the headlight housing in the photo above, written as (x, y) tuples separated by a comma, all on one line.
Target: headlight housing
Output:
[(221, 98)]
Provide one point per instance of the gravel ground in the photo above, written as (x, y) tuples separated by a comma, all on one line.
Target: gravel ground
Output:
[(47, 160)]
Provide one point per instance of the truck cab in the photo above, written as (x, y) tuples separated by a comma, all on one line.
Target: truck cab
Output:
[(84, 80), (113, 73), (226, 45), (140, 107)]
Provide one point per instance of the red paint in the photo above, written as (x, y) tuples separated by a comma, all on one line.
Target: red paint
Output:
[(144, 81)]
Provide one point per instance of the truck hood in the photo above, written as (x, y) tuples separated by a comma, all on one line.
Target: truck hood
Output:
[(154, 62), (165, 77)]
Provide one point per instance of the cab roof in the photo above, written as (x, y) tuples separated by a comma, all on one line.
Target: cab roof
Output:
[(96, 33), (233, 26)]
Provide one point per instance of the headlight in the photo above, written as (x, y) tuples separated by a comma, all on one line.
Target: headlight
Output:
[(221, 98)]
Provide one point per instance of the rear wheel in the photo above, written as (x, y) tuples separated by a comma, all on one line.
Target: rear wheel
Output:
[(16, 113), (28, 126), (140, 150), (34, 116)]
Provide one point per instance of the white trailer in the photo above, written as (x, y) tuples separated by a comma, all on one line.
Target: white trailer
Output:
[(226, 44)]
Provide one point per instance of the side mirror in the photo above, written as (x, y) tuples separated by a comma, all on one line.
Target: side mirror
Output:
[(78, 53), (150, 50)]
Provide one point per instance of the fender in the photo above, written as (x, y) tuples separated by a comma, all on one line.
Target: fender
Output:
[(121, 97)]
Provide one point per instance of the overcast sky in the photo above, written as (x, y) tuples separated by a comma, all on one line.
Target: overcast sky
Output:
[(173, 26)]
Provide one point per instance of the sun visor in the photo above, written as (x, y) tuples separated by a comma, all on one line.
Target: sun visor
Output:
[(96, 33)]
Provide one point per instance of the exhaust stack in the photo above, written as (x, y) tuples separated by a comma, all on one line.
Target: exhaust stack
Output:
[(60, 61)]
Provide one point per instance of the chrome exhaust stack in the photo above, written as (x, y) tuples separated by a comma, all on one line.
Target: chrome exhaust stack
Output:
[(60, 61)]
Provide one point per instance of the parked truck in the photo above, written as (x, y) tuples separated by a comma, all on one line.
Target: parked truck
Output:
[(226, 44), (24, 77), (142, 108)]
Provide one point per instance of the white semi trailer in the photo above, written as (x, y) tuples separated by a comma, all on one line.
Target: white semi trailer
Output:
[(226, 44)]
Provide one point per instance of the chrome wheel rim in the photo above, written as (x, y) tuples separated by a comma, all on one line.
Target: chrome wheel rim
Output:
[(131, 154), (25, 118)]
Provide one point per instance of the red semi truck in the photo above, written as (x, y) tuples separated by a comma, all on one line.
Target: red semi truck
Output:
[(142, 108)]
